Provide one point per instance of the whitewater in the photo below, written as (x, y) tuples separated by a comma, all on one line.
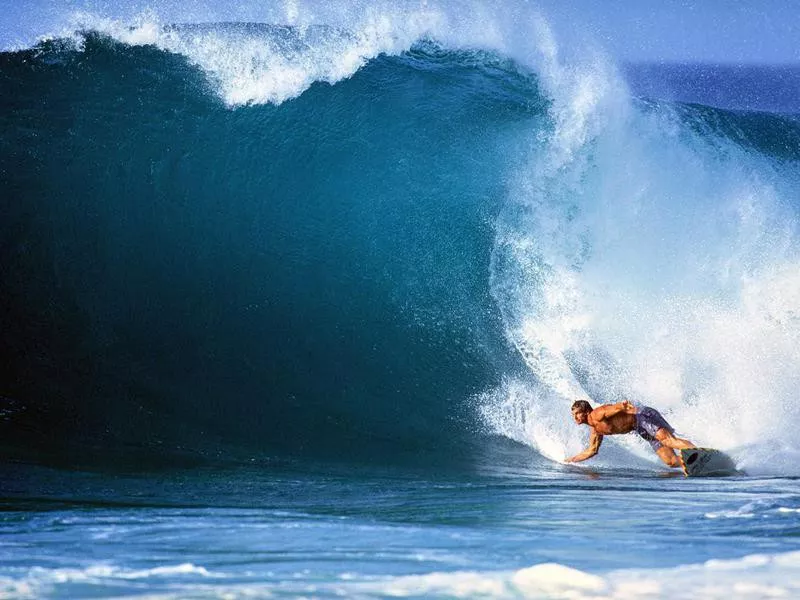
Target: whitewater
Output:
[(296, 299)]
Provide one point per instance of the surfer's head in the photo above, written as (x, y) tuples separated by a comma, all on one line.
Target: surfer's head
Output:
[(580, 411)]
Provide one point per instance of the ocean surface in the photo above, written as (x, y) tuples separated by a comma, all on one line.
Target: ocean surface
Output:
[(298, 308)]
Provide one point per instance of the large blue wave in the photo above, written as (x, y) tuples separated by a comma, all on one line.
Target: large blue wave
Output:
[(385, 261), (299, 277)]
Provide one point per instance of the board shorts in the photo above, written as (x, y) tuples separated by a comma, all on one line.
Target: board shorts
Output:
[(648, 422)]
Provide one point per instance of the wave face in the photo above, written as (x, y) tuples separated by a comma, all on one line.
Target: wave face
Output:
[(313, 238), (286, 276)]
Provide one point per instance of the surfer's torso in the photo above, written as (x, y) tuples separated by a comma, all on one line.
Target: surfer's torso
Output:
[(612, 425)]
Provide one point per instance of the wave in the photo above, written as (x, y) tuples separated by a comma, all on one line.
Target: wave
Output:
[(387, 226), (657, 260), (302, 275), (257, 63), (748, 577), (756, 575), (294, 44)]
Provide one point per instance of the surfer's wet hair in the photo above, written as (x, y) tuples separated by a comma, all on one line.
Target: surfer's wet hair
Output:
[(582, 405)]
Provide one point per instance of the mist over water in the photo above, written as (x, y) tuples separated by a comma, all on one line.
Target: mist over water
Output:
[(659, 262)]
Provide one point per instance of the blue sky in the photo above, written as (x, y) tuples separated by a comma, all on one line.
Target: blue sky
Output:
[(718, 31)]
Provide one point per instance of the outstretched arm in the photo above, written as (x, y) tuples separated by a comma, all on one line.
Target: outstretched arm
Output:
[(595, 439), (609, 410)]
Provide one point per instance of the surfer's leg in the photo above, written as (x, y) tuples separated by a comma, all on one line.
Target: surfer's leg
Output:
[(667, 439), (668, 456)]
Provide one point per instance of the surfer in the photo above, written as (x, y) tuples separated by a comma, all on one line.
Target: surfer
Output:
[(624, 417)]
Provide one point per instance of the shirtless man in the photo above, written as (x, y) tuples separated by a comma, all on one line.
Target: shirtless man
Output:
[(624, 417)]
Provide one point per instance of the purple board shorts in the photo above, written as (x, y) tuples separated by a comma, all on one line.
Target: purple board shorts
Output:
[(648, 422)]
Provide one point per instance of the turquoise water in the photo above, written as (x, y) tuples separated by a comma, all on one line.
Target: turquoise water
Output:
[(300, 310), (328, 530)]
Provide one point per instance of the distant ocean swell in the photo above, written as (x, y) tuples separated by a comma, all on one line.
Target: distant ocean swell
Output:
[(305, 239)]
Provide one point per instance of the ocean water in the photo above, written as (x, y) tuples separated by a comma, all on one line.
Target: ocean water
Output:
[(296, 305)]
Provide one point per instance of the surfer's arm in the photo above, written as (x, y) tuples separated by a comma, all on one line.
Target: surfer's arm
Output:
[(609, 410), (595, 439)]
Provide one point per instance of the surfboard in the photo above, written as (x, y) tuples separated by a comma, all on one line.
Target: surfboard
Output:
[(706, 462)]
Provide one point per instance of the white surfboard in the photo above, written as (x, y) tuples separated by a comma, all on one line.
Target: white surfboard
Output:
[(706, 462)]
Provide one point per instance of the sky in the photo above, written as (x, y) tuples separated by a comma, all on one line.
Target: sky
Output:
[(710, 31)]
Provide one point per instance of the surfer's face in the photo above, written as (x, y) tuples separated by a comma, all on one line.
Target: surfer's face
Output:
[(580, 416)]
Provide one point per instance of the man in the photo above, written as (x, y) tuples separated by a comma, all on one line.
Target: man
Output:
[(624, 417)]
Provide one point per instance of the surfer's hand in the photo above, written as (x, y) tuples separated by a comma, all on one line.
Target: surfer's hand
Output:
[(628, 407)]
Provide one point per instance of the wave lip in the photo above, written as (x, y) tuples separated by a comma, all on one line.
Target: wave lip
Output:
[(278, 51), (259, 63)]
